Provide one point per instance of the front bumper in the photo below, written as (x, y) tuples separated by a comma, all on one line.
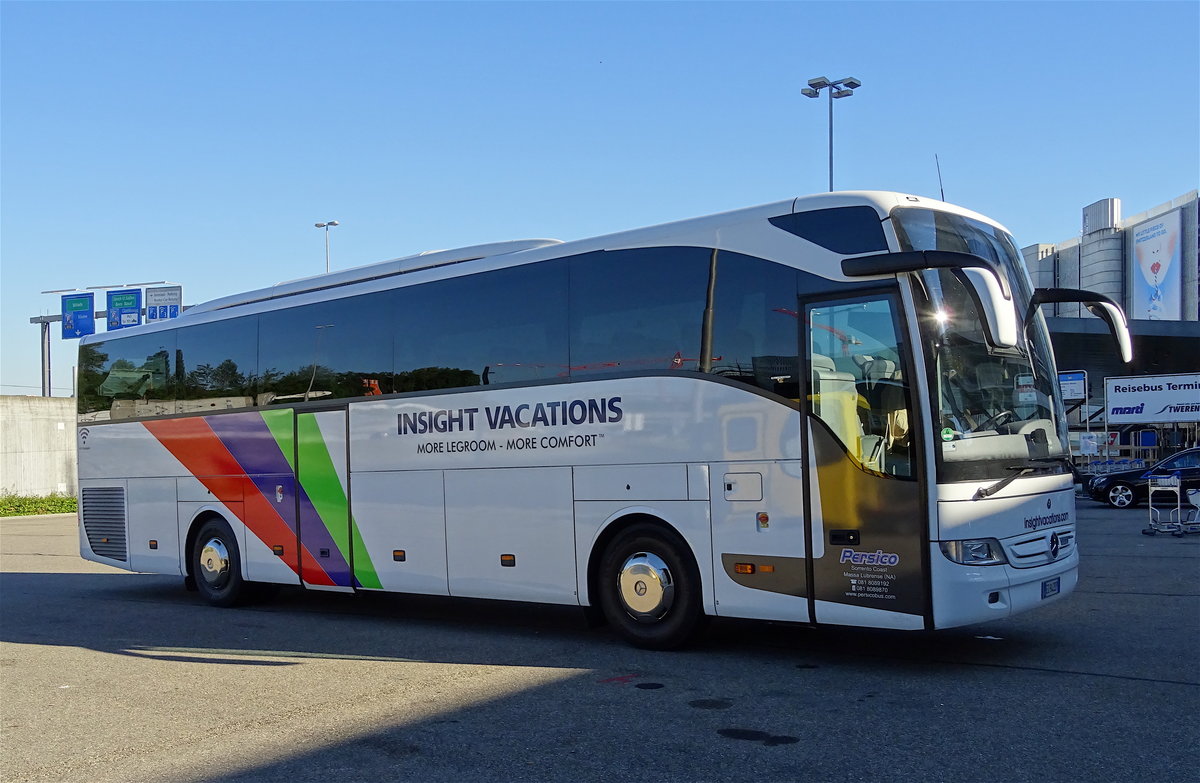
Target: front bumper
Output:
[(963, 595)]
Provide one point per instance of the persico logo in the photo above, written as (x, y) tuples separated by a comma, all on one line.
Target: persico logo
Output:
[(878, 557)]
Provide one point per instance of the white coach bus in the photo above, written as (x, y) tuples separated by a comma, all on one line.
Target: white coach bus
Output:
[(839, 409)]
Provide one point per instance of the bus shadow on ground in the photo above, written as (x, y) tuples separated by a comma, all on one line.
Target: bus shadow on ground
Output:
[(782, 700), (153, 616)]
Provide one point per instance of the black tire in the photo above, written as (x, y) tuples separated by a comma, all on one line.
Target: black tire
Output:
[(1120, 495), (662, 582), (217, 565)]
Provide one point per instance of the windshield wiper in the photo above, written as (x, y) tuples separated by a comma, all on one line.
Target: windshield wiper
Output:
[(1020, 470), (1064, 459)]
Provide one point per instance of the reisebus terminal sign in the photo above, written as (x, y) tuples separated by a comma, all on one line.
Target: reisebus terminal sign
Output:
[(1152, 399)]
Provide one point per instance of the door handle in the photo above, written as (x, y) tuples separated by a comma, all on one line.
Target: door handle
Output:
[(844, 538)]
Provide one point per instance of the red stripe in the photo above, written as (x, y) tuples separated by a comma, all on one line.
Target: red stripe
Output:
[(198, 449)]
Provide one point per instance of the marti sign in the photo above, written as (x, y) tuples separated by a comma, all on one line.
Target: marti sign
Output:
[(1152, 399)]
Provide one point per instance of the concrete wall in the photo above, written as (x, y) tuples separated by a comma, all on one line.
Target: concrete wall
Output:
[(37, 445), (1102, 264), (1066, 262)]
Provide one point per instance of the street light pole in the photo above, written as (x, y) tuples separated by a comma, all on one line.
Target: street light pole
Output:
[(327, 225), (830, 91), (842, 88)]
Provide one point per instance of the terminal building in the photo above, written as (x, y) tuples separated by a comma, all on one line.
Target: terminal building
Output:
[(1148, 263)]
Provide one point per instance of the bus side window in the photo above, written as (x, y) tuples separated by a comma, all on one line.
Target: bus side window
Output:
[(637, 310), (755, 334)]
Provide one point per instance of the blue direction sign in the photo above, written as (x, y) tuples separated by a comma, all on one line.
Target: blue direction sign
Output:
[(1073, 384), (124, 308), (78, 315), (163, 303)]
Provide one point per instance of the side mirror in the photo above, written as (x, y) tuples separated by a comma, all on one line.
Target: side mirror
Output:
[(999, 315), (984, 279), (1098, 305)]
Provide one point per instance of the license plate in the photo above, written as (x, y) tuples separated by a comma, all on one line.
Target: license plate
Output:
[(1050, 587)]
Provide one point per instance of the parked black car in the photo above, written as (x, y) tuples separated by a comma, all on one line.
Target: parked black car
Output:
[(1129, 487)]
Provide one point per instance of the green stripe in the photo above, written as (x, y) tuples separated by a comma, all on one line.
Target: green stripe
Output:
[(364, 569), (279, 422), (324, 488)]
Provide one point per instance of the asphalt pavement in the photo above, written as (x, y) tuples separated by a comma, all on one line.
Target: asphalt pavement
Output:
[(111, 676)]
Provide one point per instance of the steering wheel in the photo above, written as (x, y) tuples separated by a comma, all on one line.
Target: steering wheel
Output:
[(993, 420)]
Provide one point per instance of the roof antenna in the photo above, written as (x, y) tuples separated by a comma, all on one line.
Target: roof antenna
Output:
[(939, 168)]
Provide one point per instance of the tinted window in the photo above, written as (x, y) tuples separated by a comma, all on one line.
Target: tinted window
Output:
[(219, 361), (327, 350), (506, 326), (1182, 461), (129, 376), (847, 230), (755, 326), (637, 309)]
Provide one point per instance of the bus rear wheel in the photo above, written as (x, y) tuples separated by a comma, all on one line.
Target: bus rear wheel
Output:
[(650, 588), (217, 565)]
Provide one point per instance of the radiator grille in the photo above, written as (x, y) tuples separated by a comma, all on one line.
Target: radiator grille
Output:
[(104, 521)]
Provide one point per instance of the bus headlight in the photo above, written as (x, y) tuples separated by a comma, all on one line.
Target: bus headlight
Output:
[(978, 551)]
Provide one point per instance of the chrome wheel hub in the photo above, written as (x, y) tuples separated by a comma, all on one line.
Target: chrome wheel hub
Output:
[(214, 562), (645, 586)]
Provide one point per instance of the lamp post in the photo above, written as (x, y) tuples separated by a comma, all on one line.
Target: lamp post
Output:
[(327, 225), (842, 88)]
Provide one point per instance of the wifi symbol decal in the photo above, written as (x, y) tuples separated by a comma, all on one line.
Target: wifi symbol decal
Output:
[(84, 434)]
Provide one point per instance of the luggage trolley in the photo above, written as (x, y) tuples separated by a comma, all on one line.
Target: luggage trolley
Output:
[(1191, 522), (1174, 521)]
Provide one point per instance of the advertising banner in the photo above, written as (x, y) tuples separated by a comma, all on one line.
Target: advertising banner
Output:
[(1156, 292), (78, 315), (1152, 399)]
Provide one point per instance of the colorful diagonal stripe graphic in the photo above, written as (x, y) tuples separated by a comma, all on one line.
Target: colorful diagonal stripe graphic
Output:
[(238, 458), (330, 507)]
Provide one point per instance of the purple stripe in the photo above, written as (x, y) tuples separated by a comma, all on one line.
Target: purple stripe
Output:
[(315, 536), (251, 443)]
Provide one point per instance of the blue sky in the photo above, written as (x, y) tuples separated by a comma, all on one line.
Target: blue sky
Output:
[(200, 142)]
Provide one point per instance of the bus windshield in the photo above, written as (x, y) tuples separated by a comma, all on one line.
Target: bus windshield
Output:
[(996, 409)]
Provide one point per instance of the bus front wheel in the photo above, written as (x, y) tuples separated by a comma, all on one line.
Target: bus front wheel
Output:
[(217, 565), (650, 588)]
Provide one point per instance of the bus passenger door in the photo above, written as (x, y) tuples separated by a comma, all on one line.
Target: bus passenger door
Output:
[(867, 516), (327, 531)]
